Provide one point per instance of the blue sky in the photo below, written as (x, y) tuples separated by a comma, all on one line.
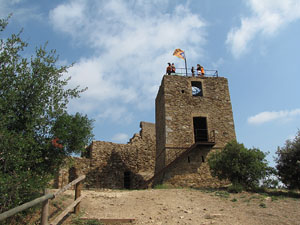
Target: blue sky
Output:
[(120, 50)]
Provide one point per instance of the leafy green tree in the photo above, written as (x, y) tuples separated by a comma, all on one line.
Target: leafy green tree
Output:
[(74, 131), (239, 165), (33, 120), (288, 163)]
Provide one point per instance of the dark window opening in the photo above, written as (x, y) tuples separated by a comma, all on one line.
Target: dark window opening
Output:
[(202, 158), (197, 88), (189, 160), (127, 179), (182, 91), (200, 129)]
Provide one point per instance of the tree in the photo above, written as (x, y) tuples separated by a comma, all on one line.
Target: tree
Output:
[(288, 162), (239, 165), (33, 104), (74, 132)]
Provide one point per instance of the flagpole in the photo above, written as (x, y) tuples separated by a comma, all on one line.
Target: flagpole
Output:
[(181, 54), (185, 65)]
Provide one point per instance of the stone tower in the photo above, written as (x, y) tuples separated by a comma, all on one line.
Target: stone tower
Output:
[(193, 117)]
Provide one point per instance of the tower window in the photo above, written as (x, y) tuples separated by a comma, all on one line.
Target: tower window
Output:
[(197, 88)]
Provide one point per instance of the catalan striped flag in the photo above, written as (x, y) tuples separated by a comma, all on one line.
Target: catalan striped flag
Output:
[(179, 53)]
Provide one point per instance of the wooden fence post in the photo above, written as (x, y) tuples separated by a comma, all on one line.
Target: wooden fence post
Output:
[(77, 195), (45, 209)]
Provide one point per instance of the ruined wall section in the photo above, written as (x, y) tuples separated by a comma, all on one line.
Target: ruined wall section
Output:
[(105, 163), (109, 161), (74, 167), (145, 143)]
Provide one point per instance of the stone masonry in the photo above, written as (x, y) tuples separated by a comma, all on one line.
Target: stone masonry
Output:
[(179, 112), (111, 165), (193, 117)]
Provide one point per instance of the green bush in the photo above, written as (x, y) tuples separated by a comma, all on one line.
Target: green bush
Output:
[(239, 165), (270, 181), (288, 163), (161, 186), (235, 188)]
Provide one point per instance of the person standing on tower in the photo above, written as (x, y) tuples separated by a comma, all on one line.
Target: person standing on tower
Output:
[(173, 68), (193, 71), (202, 71), (169, 69), (198, 69)]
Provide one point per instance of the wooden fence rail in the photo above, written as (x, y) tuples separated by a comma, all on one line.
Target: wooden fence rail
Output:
[(27, 205), (45, 200)]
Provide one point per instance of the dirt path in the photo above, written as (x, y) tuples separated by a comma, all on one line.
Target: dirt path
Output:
[(188, 206)]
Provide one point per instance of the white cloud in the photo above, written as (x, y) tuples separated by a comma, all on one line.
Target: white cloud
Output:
[(69, 17), (117, 114), (131, 45), (120, 138), (264, 117), (267, 18), (218, 63), (20, 13)]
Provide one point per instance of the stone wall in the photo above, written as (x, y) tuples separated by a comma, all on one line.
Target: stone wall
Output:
[(105, 164), (175, 109), (160, 126), (192, 171), (74, 167)]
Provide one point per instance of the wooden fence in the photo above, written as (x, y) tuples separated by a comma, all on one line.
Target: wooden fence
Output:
[(45, 200)]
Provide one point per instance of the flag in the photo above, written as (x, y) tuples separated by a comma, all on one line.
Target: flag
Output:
[(179, 53)]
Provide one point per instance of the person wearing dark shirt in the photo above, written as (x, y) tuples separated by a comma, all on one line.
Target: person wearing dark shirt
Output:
[(169, 69), (173, 68), (198, 69), (193, 71)]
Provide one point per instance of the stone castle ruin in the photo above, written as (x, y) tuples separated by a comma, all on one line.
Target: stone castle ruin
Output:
[(193, 118)]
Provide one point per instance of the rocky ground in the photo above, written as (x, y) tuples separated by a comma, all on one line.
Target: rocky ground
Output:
[(189, 206)]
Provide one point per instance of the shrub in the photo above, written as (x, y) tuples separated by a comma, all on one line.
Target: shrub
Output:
[(288, 163), (239, 165), (161, 186), (270, 180), (235, 188)]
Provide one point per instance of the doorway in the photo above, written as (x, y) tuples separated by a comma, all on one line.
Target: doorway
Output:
[(127, 179), (200, 129)]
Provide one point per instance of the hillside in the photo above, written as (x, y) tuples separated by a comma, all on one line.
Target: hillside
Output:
[(189, 206)]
